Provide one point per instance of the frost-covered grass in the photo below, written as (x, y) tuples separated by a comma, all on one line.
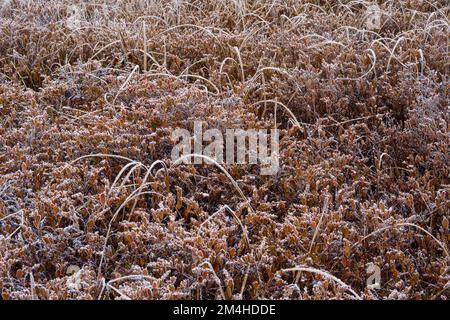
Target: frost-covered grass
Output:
[(90, 93)]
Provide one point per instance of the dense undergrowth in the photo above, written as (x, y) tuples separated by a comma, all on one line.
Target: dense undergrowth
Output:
[(364, 177)]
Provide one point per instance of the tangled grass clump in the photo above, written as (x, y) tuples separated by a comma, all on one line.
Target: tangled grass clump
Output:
[(93, 207)]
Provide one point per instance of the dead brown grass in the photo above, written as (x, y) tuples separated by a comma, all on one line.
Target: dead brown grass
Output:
[(364, 150)]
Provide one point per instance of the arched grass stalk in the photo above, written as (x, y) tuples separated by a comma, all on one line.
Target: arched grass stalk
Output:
[(373, 58), (260, 71), (186, 70), (134, 166), (392, 52), (135, 194), (149, 55), (148, 17), (109, 284), (294, 20), (233, 182), (405, 224), (216, 278), (188, 25), (314, 6), (126, 178), (250, 35), (363, 31), (233, 214), (252, 14), (147, 175), (126, 278), (224, 61), (195, 76), (104, 48), (276, 103), (125, 83), (325, 275)]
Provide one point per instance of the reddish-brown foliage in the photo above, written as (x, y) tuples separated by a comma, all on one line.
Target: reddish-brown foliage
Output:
[(364, 180)]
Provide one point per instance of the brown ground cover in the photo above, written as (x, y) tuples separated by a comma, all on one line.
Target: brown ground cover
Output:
[(88, 101)]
